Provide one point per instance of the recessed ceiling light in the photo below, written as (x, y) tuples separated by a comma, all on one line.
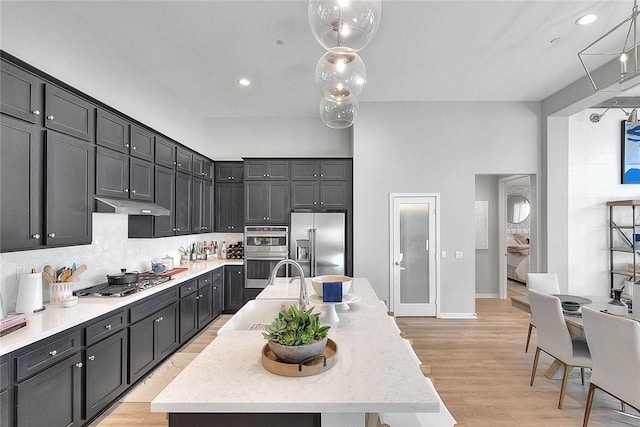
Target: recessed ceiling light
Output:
[(244, 82), (587, 19)]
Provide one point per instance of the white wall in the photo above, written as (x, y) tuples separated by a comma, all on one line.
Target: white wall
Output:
[(487, 273), (435, 147), (593, 178)]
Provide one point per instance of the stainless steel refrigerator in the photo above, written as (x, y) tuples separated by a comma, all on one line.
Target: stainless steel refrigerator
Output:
[(317, 242)]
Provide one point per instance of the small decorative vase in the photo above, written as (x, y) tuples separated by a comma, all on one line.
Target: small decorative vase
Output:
[(297, 353)]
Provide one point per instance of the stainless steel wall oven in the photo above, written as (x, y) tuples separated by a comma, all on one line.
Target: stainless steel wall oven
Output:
[(263, 248)]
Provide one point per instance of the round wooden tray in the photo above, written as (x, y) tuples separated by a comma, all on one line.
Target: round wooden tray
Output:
[(319, 364)]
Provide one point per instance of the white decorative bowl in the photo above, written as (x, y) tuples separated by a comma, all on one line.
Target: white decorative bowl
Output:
[(69, 302), (317, 282)]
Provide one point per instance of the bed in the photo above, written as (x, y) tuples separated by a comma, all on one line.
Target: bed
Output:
[(517, 257)]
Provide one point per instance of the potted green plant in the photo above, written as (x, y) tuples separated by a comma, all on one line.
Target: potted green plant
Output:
[(295, 336), (185, 254)]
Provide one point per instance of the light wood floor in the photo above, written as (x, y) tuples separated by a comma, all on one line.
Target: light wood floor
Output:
[(479, 368)]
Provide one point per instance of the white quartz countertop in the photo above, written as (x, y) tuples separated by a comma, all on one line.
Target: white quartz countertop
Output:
[(56, 318), (374, 371)]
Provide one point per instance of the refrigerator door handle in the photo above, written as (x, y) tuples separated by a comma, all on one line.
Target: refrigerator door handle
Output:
[(313, 266)]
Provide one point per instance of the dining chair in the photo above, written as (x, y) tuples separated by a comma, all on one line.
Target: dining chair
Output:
[(615, 349), (541, 282), (555, 340)]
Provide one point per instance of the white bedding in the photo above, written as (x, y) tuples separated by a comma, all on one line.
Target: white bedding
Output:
[(517, 258)]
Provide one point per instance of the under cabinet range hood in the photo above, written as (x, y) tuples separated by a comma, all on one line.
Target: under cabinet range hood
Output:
[(129, 207)]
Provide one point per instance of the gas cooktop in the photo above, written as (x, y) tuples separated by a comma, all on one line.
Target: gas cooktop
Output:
[(107, 290)]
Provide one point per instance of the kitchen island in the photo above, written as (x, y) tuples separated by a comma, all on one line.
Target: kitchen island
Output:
[(227, 384)]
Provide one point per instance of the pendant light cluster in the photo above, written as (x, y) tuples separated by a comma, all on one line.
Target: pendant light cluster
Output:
[(343, 28)]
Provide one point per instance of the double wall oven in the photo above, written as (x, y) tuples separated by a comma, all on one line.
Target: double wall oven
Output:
[(263, 248)]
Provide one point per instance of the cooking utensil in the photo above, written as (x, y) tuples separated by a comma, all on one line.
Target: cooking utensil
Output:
[(123, 278), (48, 274), (65, 275), (75, 275)]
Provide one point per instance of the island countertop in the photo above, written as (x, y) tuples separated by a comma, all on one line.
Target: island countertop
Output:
[(374, 373)]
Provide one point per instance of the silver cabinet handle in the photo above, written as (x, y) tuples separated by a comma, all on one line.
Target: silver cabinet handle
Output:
[(264, 174), (107, 327), (397, 263), (158, 320), (322, 203), (179, 165), (314, 175), (53, 353), (126, 190), (126, 145), (215, 288), (161, 318), (315, 203), (91, 358), (35, 236), (177, 229), (174, 229), (51, 117), (229, 178), (134, 147), (36, 112), (79, 365), (133, 191), (52, 235), (189, 288), (239, 272)]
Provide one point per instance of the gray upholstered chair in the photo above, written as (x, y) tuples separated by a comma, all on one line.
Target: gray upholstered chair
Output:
[(541, 282), (615, 350), (554, 338)]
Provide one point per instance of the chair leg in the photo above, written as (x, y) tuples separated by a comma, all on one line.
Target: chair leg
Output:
[(587, 407), (565, 377), (526, 349), (582, 375), (535, 365)]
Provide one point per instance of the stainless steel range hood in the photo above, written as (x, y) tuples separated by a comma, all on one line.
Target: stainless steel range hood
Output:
[(129, 207)]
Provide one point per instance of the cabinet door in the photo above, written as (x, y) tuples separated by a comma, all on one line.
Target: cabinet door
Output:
[(112, 174), (216, 297), (304, 194), (183, 203), (165, 153), (141, 177), (184, 159), (197, 205), (207, 207), (142, 143), (207, 169), (224, 207), (106, 372), (69, 114), (21, 185), (304, 170), (255, 203), (229, 171), (21, 95), (70, 176), (165, 194), (168, 331), (233, 287), (278, 169), (198, 166), (255, 170), (278, 199), (188, 316), (142, 344), (52, 397), (112, 131), (334, 194), (237, 212), (335, 169), (205, 306)]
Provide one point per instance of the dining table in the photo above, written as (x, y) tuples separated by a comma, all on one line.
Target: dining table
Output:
[(573, 319)]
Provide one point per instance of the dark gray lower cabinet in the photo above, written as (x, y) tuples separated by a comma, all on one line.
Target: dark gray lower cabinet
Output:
[(106, 372), (151, 340), (52, 397), (233, 288), (216, 292), (188, 310), (205, 305)]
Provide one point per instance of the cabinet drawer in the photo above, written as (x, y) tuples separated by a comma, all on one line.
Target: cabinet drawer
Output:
[(105, 327), (152, 305), (205, 280), (45, 355), (217, 274), (188, 288)]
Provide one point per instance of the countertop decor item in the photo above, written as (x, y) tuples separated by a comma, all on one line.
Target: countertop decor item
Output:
[(30, 293), (318, 364), (615, 306), (295, 336)]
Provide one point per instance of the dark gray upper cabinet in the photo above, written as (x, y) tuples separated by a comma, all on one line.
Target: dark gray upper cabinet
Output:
[(339, 169), (229, 171), (202, 167), (112, 131), (305, 194), (165, 196), (229, 207), (207, 170), (321, 184), (21, 95), (304, 169), (69, 114), (112, 173), (197, 205), (184, 160), (21, 185), (184, 183), (142, 143), (70, 180), (335, 194), (141, 178), (259, 170), (165, 153), (208, 211), (266, 202)]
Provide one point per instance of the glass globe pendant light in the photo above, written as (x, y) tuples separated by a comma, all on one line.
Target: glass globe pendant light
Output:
[(340, 75), (347, 24), (338, 114)]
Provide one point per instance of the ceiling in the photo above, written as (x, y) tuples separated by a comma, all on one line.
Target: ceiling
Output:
[(424, 50)]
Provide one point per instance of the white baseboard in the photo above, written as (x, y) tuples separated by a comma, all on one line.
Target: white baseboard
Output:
[(458, 315), (487, 296)]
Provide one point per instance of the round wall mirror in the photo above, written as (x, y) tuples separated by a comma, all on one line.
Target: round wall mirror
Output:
[(518, 208)]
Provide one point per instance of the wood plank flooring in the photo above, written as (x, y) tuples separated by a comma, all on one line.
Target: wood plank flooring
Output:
[(479, 368)]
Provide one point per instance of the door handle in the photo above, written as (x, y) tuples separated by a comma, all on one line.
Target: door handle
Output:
[(397, 263)]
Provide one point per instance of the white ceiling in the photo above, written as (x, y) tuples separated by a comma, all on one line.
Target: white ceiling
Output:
[(424, 50)]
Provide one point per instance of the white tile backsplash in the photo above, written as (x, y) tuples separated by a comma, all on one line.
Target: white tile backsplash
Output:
[(110, 251)]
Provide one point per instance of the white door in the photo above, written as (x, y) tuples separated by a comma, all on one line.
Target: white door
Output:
[(413, 254)]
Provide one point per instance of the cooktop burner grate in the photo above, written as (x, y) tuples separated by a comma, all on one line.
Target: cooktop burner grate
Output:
[(107, 290)]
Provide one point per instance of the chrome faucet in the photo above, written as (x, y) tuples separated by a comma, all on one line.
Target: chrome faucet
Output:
[(303, 300)]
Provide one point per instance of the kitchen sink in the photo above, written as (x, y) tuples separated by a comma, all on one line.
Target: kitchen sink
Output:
[(255, 315)]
